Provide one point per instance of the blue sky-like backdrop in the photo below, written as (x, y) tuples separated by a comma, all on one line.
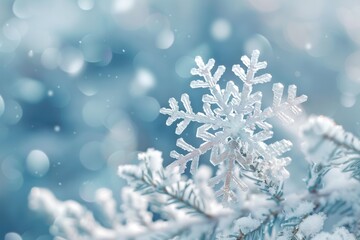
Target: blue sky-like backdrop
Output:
[(82, 82)]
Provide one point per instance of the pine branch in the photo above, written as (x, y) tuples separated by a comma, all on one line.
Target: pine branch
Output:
[(330, 145), (182, 195)]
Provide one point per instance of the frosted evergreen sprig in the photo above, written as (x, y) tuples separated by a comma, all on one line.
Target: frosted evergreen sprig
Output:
[(234, 127), (149, 178), (333, 178), (295, 221), (181, 205), (328, 144)]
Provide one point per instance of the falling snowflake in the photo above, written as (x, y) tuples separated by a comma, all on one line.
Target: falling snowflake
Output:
[(233, 126)]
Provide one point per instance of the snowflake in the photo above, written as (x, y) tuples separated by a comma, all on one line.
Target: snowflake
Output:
[(233, 125)]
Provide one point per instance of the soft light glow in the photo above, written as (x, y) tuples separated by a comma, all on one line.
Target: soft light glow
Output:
[(37, 163), (221, 29)]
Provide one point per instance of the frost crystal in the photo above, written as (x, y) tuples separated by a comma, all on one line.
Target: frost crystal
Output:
[(233, 125)]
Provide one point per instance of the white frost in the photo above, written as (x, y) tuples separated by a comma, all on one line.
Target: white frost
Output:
[(247, 224), (339, 234), (312, 224)]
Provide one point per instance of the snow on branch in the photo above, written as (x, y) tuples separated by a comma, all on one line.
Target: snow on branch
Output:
[(328, 144), (181, 205)]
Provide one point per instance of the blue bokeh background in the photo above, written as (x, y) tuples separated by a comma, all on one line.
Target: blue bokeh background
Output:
[(82, 82)]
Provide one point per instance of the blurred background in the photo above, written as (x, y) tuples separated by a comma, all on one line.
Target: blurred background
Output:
[(82, 82)]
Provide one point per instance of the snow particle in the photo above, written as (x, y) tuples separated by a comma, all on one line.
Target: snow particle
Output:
[(37, 163), (71, 61), (57, 128), (143, 82), (221, 29), (31, 53), (165, 39)]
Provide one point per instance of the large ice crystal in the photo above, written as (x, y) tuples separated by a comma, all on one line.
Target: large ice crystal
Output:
[(234, 127)]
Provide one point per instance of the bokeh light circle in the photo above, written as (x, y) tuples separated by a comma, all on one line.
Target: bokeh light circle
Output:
[(37, 163)]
